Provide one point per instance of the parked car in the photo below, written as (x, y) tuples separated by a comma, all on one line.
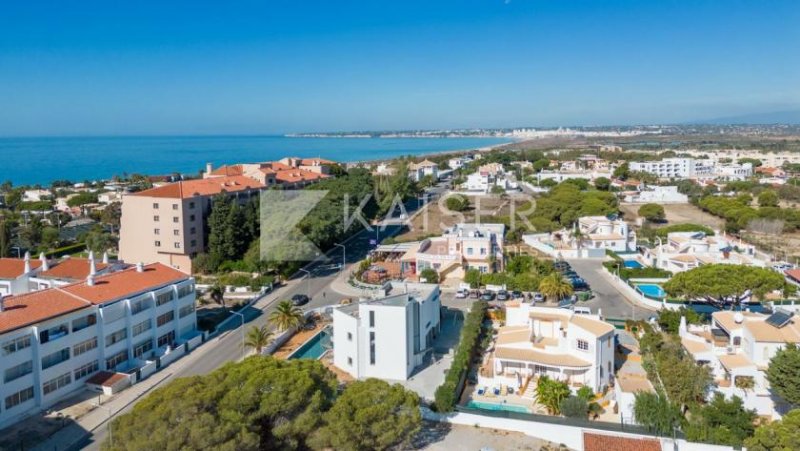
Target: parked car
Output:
[(561, 265), (502, 295), (578, 283), (538, 297), (516, 294), (570, 274), (487, 296), (300, 299), (462, 294), (474, 294)]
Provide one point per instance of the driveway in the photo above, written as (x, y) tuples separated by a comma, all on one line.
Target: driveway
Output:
[(606, 296)]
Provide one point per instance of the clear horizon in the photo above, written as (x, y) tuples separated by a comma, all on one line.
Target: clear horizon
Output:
[(200, 68)]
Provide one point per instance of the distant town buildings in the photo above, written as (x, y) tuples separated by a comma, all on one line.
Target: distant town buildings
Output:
[(689, 168), (682, 251), (657, 195)]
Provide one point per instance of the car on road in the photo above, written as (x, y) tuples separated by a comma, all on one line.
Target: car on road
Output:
[(487, 296), (300, 299), (502, 295), (462, 294)]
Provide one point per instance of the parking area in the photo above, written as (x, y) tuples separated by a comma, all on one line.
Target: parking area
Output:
[(606, 296)]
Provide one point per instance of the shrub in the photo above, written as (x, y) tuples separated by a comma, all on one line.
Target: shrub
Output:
[(457, 203), (574, 407), (430, 275)]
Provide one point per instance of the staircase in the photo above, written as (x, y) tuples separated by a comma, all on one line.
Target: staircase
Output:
[(529, 389)]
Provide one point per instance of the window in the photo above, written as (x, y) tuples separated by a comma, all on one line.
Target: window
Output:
[(350, 361), (583, 345), (191, 218), (140, 349), (372, 348), (174, 206), (194, 243), (483, 251), (349, 336), (175, 219), (176, 232), (158, 243), (84, 346), (116, 359), (53, 333), (54, 384), (142, 327), (469, 251), (177, 245), (55, 358), (155, 206), (157, 231), (165, 318), (166, 339), (140, 306), (185, 290), (83, 323), (116, 337), (163, 298), (85, 370), (186, 310), (372, 318), (17, 371), (16, 344), (19, 397), (193, 231), (191, 205), (156, 218)]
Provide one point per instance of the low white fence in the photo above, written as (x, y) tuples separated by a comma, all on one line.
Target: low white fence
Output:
[(173, 355), (633, 294)]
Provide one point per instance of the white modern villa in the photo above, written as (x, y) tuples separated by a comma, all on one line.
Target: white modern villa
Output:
[(682, 251), (657, 195), (387, 338), (590, 239), (536, 341), (738, 346)]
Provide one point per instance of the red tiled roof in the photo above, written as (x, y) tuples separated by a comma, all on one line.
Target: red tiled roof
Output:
[(793, 274), (121, 284), (31, 308), (72, 269), (297, 175), (202, 187), (235, 169), (600, 442), (11, 268), (317, 161), (105, 379)]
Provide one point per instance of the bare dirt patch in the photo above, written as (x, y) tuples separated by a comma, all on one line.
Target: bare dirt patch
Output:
[(677, 214)]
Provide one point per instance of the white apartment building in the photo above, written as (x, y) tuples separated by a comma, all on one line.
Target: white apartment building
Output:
[(674, 167), (768, 159), (387, 338), (536, 341), (560, 176), (487, 177), (460, 248), (416, 171), (737, 347), (657, 195), (597, 234), (15, 274), (19, 276), (53, 341), (682, 251)]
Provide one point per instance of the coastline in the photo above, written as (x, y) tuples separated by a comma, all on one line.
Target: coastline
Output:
[(457, 152)]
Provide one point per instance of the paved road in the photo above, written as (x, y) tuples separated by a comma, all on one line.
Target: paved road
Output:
[(606, 297), (227, 347)]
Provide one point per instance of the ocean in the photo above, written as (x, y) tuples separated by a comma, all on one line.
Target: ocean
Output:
[(28, 161)]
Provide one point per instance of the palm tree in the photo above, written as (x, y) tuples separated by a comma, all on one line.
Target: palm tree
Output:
[(286, 316), (550, 393), (217, 293), (258, 338), (578, 236), (555, 287)]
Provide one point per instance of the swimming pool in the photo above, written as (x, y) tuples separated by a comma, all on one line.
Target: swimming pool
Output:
[(651, 290), (497, 406), (313, 348), (632, 264)]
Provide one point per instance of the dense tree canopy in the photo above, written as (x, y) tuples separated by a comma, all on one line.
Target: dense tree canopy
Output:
[(652, 212), (565, 203), (783, 435), (783, 374), (721, 421), (724, 284)]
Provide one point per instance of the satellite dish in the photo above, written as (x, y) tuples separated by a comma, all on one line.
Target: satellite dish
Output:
[(738, 317)]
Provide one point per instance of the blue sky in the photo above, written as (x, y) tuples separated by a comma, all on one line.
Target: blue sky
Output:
[(140, 67)]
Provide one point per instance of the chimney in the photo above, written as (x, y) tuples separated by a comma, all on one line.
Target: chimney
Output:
[(140, 267), (92, 265), (45, 264), (209, 168), (27, 263), (105, 258), (2, 303), (90, 280)]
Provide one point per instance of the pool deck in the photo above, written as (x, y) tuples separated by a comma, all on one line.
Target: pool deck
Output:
[(297, 340)]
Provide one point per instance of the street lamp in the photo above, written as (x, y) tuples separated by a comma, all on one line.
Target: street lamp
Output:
[(344, 254), (110, 429), (241, 316)]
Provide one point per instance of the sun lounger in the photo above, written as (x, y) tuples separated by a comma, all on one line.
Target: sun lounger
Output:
[(481, 390)]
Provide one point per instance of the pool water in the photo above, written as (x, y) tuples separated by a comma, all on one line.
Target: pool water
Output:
[(313, 348), (652, 290), (632, 264), (498, 406)]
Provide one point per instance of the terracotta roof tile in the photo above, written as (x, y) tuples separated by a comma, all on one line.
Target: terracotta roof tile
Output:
[(11, 268), (602, 442), (26, 309), (105, 379), (122, 284), (202, 187), (235, 169), (71, 269)]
